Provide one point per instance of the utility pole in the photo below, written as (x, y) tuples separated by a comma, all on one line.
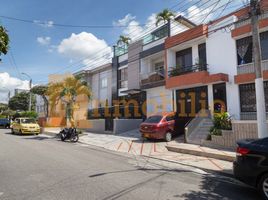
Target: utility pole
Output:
[(30, 94), (259, 87)]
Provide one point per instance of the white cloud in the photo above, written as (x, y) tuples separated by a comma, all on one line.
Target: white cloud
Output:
[(11, 83), (45, 24), (43, 40), (85, 45), (133, 28), (125, 21)]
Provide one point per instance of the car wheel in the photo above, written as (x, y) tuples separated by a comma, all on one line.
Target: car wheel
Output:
[(168, 137), (263, 186)]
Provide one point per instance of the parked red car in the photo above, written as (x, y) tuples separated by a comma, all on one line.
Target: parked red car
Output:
[(159, 126)]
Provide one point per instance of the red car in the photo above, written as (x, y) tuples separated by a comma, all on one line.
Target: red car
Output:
[(159, 126)]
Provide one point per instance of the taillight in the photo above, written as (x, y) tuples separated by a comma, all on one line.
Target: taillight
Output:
[(242, 151)]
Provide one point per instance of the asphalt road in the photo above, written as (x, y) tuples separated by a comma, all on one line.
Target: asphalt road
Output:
[(38, 167)]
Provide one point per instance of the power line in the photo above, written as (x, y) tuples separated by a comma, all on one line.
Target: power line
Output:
[(51, 23), (96, 61)]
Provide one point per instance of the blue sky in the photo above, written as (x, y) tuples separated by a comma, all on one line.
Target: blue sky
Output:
[(34, 58), (40, 50)]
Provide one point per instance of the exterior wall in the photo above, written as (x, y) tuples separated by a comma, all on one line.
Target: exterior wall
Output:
[(221, 58), (96, 126), (159, 99), (134, 50), (124, 125)]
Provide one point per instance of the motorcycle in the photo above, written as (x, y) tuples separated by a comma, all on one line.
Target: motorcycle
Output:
[(69, 134)]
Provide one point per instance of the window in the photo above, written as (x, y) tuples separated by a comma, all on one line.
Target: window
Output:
[(170, 118), (248, 97), (244, 48), (123, 77), (153, 119), (159, 67), (184, 58), (104, 82), (202, 54), (264, 45)]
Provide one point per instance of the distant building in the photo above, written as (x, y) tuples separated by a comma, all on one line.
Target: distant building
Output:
[(17, 91)]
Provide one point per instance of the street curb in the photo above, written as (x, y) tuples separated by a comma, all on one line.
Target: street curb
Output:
[(201, 153), (204, 169)]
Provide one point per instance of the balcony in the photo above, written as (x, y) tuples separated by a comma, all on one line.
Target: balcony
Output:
[(156, 35), (249, 67), (177, 71), (152, 79), (121, 50)]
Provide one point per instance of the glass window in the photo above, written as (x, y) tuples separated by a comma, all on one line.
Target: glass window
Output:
[(153, 119), (202, 54), (184, 58), (123, 77), (244, 50), (170, 118), (264, 45)]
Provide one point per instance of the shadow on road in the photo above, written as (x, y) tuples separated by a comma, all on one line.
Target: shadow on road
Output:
[(217, 188), (138, 169)]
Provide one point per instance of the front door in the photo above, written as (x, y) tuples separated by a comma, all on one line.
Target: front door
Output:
[(189, 103), (219, 97)]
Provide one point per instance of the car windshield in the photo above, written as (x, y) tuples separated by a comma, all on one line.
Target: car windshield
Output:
[(28, 121), (153, 119)]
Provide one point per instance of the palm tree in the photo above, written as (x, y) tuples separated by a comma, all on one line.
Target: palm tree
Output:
[(4, 40), (66, 92), (164, 16), (123, 40)]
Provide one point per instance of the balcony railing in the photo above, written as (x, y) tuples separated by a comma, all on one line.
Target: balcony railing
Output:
[(177, 71), (156, 35), (249, 67), (152, 77), (123, 83), (121, 50)]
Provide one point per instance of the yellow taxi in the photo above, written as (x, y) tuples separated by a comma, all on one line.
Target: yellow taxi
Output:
[(25, 126)]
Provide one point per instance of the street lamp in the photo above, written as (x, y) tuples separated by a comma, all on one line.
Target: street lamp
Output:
[(30, 86)]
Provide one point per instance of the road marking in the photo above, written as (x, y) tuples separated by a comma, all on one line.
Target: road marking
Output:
[(142, 147), (154, 147), (119, 146), (130, 146)]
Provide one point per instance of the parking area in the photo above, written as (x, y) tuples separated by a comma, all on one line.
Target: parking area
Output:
[(131, 143)]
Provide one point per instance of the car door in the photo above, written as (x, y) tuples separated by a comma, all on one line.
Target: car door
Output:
[(170, 121)]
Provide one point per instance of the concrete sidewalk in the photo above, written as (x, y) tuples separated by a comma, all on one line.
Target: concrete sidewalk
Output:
[(131, 143)]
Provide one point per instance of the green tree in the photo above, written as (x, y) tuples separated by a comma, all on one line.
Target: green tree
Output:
[(3, 107), (42, 91), (4, 41), (21, 101), (67, 91), (164, 16), (123, 40)]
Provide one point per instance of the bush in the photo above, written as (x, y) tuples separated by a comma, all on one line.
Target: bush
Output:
[(222, 121)]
